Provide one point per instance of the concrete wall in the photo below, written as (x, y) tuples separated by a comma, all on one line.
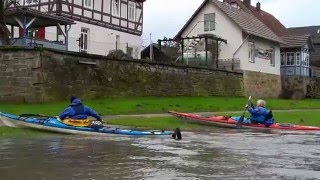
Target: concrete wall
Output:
[(40, 75)]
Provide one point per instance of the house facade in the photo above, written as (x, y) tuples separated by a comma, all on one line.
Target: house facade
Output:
[(297, 43), (247, 38), (99, 25), (295, 56), (314, 55)]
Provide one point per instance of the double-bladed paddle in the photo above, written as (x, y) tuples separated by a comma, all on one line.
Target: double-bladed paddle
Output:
[(239, 123)]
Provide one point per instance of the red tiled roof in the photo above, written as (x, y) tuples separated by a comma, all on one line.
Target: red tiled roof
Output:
[(249, 23), (301, 37), (246, 21), (269, 20)]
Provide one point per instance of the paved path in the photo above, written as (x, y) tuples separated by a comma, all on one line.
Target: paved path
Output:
[(202, 113)]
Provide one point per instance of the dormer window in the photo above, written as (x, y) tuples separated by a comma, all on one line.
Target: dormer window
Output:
[(116, 7), (234, 4)]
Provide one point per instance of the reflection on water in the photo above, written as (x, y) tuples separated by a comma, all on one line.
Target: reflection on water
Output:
[(218, 154)]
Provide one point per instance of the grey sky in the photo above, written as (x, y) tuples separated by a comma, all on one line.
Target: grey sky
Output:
[(166, 17)]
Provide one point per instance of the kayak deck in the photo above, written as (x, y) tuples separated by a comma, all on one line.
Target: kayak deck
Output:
[(54, 125)]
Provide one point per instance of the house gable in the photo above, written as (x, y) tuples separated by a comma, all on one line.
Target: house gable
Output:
[(246, 21), (235, 31)]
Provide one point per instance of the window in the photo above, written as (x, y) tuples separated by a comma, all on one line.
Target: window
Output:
[(306, 60), (318, 32), (129, 51), (132, 11), (272, 56), (84, 39), (209, 22), (117, 42), (116, 7), (290, 59), (88, 3), (298, 58), (283, 59), (251, 52)]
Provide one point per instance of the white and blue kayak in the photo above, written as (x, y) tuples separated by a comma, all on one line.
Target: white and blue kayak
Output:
[(53, 124)]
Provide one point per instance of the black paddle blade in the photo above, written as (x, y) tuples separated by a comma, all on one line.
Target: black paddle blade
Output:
[(177, 134), (239, 123)]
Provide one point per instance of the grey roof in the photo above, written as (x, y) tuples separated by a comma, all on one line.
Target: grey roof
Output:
[(313, 30), (297, 41), (248, 22)]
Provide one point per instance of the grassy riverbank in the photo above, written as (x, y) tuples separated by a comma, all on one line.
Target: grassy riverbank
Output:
[(170, 123), (142, 105), (311, 118)]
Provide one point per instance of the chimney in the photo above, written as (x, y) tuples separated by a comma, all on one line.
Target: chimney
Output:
[(258, 6), (247, 3)]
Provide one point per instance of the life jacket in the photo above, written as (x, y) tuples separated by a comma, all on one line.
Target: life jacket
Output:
[(269, 115), (269, 120)]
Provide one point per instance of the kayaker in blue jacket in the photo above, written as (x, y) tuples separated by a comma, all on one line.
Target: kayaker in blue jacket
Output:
[(260, 114), (76, 110)]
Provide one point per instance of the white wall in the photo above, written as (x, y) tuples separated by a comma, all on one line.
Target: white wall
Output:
[(235, 47), (224, 28), (101, 40), (260, 64)]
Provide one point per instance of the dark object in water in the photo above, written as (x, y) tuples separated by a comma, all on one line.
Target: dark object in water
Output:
[(177, 134)]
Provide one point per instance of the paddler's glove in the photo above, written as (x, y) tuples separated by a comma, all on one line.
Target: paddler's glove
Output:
[(252, 106)]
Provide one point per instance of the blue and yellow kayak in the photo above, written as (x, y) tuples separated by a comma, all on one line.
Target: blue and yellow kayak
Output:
[(53, 124)]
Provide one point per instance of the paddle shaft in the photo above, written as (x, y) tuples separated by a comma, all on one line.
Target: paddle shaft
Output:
[(239, 124)]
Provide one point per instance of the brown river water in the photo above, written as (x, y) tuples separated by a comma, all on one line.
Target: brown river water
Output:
[(214, 154)]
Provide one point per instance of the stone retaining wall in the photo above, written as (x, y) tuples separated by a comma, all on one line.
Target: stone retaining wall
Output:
[(42, 75)]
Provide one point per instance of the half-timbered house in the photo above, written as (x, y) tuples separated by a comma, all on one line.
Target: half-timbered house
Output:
[(98, 25)]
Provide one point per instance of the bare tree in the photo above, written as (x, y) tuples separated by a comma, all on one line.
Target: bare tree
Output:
[(4, 31)]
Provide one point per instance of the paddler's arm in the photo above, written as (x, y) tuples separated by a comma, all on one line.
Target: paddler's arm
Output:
[(256, 110), (93, 113), (65, 113)]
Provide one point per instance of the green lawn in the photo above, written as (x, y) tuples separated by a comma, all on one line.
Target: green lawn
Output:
[(170, 123), (303, 118), (141, 105)]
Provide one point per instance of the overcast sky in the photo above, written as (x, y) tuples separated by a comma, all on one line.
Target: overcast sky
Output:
[(167, 17)]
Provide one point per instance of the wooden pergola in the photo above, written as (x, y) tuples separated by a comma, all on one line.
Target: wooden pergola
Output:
[(206, 37)]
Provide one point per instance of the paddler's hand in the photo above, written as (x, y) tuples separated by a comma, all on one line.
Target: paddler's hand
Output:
[(246, 106)]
